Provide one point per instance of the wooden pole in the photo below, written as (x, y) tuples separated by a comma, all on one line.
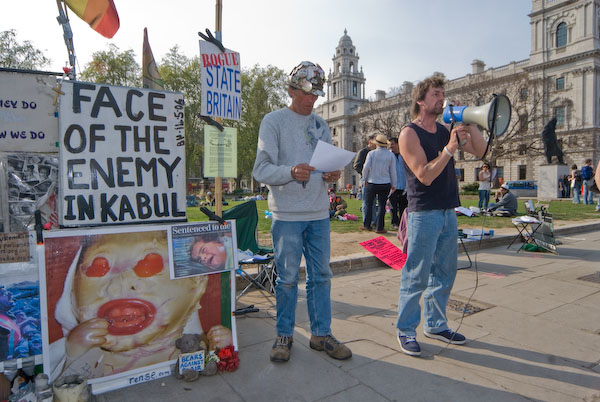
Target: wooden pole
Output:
[(218, 180)]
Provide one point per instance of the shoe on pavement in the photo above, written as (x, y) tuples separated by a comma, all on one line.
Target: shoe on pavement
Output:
[(381, 231), (281, 348), (409, 345), (331, 346), (447, 336)]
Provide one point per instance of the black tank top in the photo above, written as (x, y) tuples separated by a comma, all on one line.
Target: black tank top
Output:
[(443, 191)]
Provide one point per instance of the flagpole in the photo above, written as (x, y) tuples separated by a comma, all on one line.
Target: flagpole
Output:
[(218, 180)]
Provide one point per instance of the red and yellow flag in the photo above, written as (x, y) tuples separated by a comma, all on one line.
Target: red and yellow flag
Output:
[(101, 15)]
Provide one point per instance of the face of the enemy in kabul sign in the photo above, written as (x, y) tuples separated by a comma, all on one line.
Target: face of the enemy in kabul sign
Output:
[(124, 279)]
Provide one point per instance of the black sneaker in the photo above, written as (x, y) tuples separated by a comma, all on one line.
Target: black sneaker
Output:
[(447, 336), (281, 348), (409, 345)]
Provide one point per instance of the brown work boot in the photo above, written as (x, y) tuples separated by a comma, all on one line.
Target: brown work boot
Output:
[(281, 348), (331, 346)]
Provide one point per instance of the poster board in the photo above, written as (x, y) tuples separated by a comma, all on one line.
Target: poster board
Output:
[(122, 154), (28, 119), (544, 234), (220, 152), (21, 334), (385, 251), (114, 283), (221, 82), (202, 248)]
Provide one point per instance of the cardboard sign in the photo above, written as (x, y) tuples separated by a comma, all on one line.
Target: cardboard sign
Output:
[(384, 250), (221, 82), (14, 247), (220, 152), (119, 276), (191, 361), (202, 248), (122, 151), (27, 115)]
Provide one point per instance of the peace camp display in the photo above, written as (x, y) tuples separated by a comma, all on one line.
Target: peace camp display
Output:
[(122, 153)]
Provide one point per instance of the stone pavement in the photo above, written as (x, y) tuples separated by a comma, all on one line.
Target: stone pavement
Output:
[(533, 329)]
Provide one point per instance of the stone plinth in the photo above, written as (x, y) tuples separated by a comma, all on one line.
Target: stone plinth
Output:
[(548, 177)]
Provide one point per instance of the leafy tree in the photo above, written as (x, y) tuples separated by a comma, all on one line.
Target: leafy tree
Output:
[(182, 74), (113, 67), (20, 55), (264, 89)]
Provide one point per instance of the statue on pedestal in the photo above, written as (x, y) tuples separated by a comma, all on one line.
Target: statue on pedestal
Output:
[(551, 147)]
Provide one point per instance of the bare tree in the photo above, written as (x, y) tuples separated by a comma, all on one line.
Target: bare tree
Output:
[(386, 117)]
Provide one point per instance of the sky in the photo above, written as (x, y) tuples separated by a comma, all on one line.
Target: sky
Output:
[(396, 40)]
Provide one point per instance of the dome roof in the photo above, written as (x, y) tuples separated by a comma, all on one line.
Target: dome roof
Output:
[(345, 40)]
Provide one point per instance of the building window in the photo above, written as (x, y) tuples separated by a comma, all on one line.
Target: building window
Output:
[(460, 174), (559, 113), (524, 122), (334, 132), (354, 88), (522, 172), (333, 108), (499, 176), (560, 83), (522, 150), (524, 94), (354, 128), (561, 35)]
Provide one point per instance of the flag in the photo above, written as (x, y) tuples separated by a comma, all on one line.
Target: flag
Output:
[(150, 75), (101, 15)]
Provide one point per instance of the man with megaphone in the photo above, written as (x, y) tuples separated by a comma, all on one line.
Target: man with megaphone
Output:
[(428, 149)]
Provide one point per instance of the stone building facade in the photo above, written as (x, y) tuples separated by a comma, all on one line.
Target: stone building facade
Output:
[(560, 79)]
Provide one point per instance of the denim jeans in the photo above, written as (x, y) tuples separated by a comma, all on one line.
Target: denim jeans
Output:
[(363, 207), (380, 191), (290, 241), (430, 268), (588, 196), (576, 193), (484, 198)]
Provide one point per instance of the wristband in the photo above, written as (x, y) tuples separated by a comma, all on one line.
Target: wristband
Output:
[(448, 152)]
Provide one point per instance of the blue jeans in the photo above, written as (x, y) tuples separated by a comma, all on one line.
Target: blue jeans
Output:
[(588, 196), (430, 268), (576, 193), (290, 241), (363, 207), (484, 198)]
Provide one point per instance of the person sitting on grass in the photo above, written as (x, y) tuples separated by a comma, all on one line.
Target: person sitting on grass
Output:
[(507, 205), (337, 205)]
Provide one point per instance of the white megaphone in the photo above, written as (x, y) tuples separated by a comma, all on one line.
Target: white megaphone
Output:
[(493, 116)]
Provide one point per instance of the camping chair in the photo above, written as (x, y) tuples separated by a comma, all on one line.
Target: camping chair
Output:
[(246, 218)]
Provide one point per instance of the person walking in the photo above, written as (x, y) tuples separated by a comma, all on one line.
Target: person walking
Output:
[(298, 199), (379, 177), (398, 199), (485, 186)]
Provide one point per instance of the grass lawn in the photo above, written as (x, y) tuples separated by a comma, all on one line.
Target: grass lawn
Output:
[(563, 210)]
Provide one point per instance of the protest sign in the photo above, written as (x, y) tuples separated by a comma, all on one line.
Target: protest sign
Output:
[(202, 248), (27, 115), (107, 294), (122, 153), (221, 82), (220, 152), (384, 250)]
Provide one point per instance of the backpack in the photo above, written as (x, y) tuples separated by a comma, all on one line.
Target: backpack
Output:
[(587, 172)]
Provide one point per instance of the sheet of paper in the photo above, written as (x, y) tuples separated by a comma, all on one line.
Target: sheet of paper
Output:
[(464, 211), (328, 158)]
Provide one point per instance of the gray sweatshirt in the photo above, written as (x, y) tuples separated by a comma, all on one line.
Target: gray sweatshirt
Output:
[(285, 139)]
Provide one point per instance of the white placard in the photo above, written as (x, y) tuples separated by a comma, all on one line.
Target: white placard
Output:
[(221, 82), (28, 119), (122, 155)]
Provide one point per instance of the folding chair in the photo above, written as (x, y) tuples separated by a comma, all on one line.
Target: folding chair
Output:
[(246, 218)]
